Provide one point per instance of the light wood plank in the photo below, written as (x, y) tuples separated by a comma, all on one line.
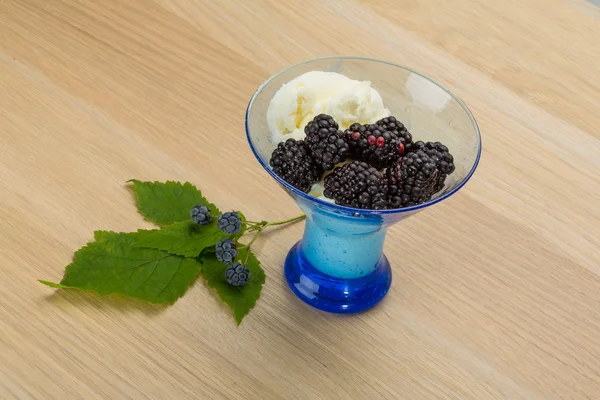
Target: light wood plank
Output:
[(496, 291)]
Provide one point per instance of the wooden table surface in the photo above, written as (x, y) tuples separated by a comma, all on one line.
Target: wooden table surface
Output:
[(496, 291)]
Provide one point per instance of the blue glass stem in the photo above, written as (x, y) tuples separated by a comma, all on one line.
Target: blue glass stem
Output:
[(339, 265), (346, 248)]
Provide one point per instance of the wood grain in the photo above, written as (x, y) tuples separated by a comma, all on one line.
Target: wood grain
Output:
[(496, 292)]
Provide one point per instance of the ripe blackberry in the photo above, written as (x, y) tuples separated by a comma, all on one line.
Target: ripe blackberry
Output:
[(237, 275), (200, 215), (377, 144), (357, 185), (230, 222), (442, 157), (291, 161), (325, 142), (226, 251), (393, 125), (412, 180)]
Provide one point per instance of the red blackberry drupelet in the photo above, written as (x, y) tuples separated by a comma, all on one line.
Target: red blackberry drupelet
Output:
[(380, 144)]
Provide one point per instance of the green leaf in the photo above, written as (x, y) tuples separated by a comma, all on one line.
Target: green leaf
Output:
[(169, 202), (242, 299), (181, 238), (103, 236), (112, 265), (52, 284)]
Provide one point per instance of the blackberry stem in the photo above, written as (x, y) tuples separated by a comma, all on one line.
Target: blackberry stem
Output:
[(250, 244), (252, 226), (287, 221), (259, 227)]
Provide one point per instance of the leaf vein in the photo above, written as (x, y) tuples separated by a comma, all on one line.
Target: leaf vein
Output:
[(172, 277), (149, 276)]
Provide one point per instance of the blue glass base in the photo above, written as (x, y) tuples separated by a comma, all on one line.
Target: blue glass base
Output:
[(336, 295)]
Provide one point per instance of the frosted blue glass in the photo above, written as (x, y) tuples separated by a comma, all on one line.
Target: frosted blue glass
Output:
[(339, 265), (338, 249)]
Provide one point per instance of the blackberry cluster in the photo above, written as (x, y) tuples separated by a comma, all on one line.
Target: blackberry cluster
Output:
[(388, 169), (226, 251), (200, 215), (357, 185), (412, 180), (237, 275), (442, 157), (291, 161), (380, 144), (230, 222), (325, 141)]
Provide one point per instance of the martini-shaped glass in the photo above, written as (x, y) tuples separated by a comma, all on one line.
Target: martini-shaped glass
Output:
[(339, 265)]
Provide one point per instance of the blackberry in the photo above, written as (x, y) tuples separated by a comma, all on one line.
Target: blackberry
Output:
[(200, 215), (357, 185), (442, 157), (226, 251), (325, 141), (412, 180), (230, 222), (377, 144), (237, 275), (391, 124), (291, 161)]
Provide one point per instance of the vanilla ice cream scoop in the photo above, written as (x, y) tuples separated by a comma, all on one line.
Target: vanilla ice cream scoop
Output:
[(317, 92)]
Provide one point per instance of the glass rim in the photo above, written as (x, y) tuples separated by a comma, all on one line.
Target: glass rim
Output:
[(352, 210)]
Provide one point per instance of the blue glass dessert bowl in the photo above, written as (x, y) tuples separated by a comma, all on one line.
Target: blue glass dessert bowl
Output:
[(338, 265)]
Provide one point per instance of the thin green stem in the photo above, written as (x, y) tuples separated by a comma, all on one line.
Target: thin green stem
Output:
[(259, 227), (250, 244), (254, 239), (256, 222), (287, 221)]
